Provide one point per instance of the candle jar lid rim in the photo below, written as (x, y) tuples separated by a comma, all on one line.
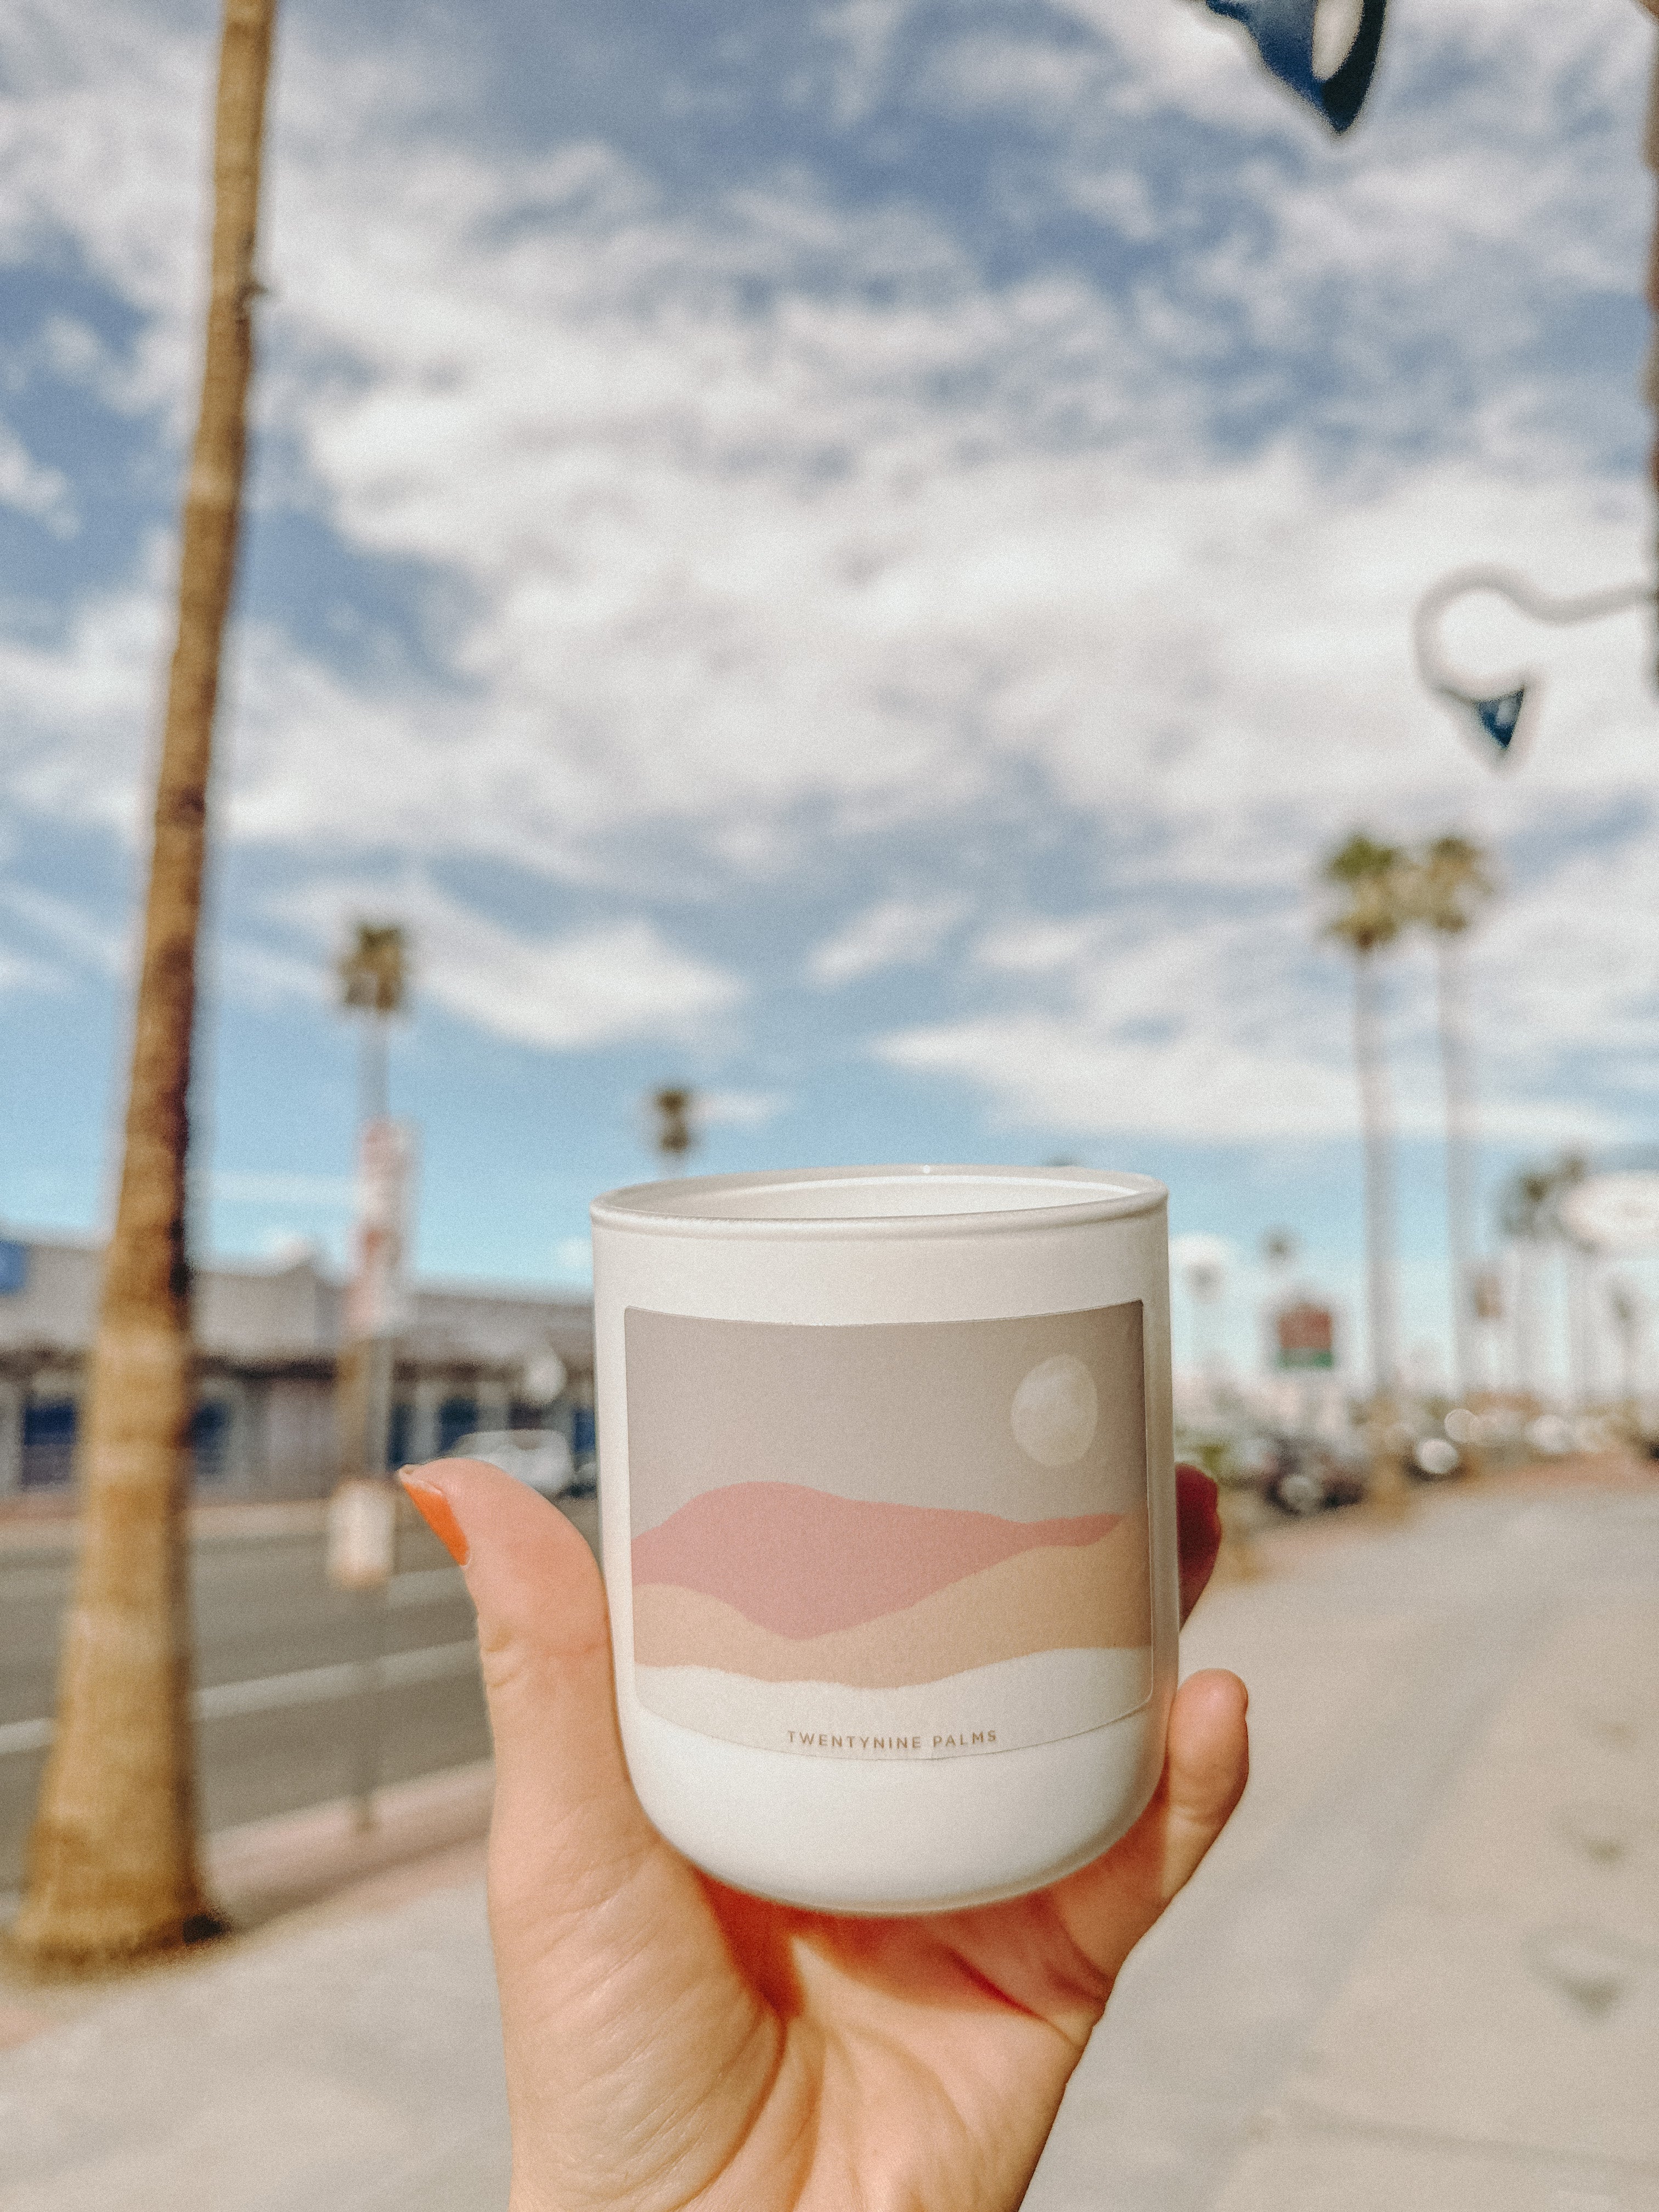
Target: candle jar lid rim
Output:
[(812, 1202)]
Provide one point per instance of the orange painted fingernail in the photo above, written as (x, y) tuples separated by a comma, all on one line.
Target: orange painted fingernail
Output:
[(439, 1515)]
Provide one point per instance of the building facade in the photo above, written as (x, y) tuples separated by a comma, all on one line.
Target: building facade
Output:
[(270, 1335)]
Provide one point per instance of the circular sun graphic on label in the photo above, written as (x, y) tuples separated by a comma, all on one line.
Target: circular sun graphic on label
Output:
[(1054, 1410)]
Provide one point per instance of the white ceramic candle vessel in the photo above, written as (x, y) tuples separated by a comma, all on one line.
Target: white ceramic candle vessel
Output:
[(888, 1505)]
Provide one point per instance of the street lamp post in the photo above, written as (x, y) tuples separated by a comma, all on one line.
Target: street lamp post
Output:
[(1497, 712)]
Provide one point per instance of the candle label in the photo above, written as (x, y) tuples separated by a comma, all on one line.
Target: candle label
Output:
[(915, 1540)]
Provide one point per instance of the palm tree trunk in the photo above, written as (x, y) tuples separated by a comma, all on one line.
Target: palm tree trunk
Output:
[(113, 1869), (1529, 1266), (1451, 1007), (1377, 1118), (1581, 1287)]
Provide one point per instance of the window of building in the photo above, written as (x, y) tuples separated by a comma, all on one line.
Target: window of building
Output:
[(457, 1418), (48, 1444), (400, 1440), (210, 1440)]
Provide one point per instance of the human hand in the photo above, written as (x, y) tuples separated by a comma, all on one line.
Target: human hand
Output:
[(673, 2046)]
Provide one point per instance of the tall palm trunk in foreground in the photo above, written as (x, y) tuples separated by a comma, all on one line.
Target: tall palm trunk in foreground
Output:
[(113, 1869)]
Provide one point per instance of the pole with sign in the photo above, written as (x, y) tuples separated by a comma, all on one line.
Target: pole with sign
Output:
[(373, 972), (1304, 1346), (377, 1298), (362, 1514)]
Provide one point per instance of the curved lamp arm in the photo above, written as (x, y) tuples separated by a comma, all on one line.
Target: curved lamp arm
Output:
[(1496, 713)]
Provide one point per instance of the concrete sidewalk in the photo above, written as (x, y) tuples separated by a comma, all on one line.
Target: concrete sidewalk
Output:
[(1421, 1970)]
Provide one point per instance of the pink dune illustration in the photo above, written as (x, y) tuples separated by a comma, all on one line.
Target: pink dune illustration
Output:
[(801, 1563), (1087, 1597)]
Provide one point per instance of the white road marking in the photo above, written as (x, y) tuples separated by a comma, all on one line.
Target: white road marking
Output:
[(309, 1685)]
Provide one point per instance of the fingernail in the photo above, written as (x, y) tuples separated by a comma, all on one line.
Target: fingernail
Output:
[(439, 1515)]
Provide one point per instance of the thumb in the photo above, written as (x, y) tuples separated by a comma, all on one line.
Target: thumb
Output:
[(620, 2007), (567, 1832)]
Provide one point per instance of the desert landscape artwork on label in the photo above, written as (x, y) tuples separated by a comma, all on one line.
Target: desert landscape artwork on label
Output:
[(891, 1540)]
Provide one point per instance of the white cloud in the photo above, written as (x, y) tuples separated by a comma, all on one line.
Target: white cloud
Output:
[(599, 985), (274, 1187), (18, 972), (775, 524), (256, 974), (31, 489), (740, 1109), (1236, 1031), (573, 1259), (81, 711), (894, 933), (725, 564), (1216, 1255), (67, 928), (610, 983)]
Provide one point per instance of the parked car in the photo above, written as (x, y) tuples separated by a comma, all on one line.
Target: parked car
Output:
[(539, 1457), (1305, 1477)]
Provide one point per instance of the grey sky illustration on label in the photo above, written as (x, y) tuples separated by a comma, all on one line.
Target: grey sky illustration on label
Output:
[(916, 1539)]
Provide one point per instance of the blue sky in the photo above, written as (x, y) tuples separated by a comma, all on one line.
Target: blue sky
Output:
[(854, 556)]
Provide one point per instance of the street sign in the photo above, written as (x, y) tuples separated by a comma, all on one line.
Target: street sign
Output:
[(377, 1300), (1306, 1335)]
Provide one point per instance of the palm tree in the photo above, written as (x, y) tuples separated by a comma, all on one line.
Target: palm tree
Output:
[(675, 1107), (1371, 878), (113, 1868), (373, 972), (1449, 884)]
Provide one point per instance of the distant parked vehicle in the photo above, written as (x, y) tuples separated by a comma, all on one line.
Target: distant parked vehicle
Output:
[(1304, 1477), (1436, 1459), (541, 1458)]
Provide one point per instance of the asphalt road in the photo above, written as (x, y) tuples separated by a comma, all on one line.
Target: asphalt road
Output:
[(265, 1612)]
